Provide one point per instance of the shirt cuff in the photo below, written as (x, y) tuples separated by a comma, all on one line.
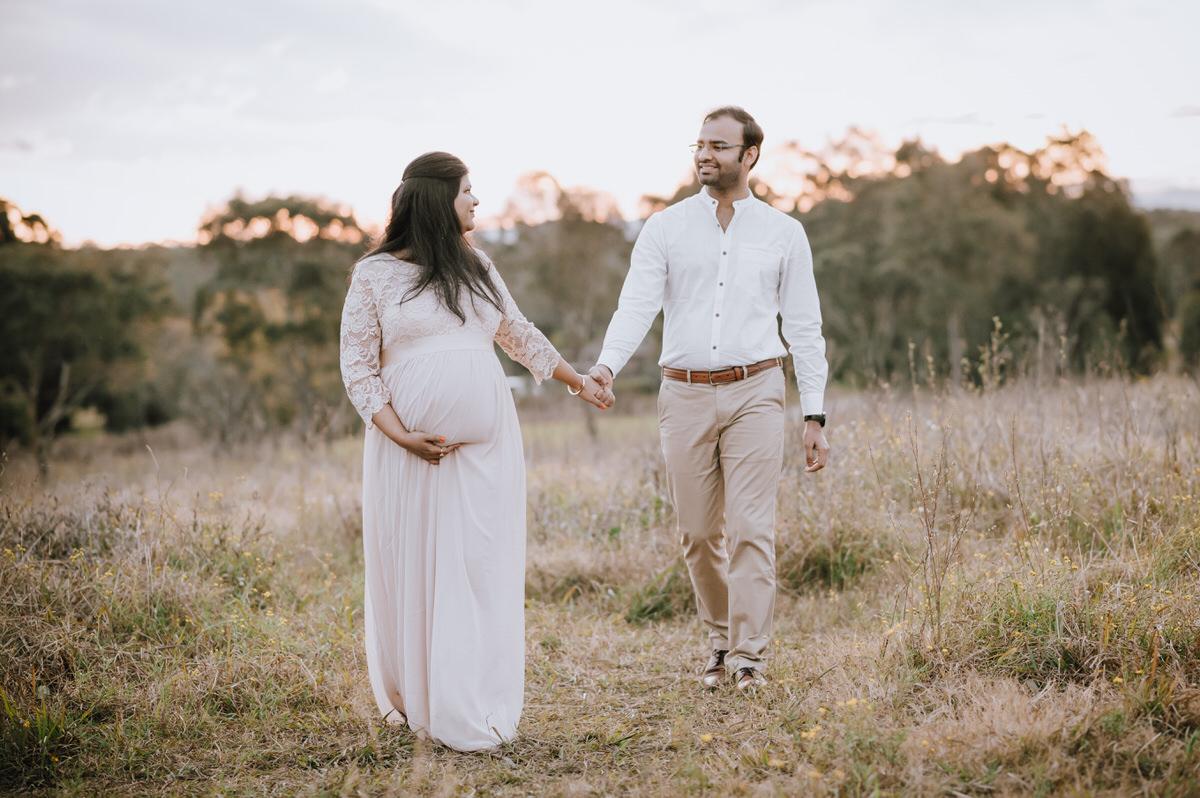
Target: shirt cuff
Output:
[(612, 362), (812, 402)]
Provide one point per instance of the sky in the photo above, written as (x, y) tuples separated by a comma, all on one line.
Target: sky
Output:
[(124, 122)]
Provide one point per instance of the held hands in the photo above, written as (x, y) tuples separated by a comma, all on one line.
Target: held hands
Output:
[(430, 448), (594, 394), (816, 449), (603, 378)]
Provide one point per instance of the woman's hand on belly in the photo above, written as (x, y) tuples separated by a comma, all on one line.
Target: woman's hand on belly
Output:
[(429, 447)]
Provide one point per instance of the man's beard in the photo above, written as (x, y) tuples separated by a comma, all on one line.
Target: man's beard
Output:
[(719, 179)]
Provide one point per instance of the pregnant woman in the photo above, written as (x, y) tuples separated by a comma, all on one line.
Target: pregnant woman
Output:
[(443, 467)]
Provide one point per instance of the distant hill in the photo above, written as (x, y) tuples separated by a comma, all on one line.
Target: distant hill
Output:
[(1173, 197)]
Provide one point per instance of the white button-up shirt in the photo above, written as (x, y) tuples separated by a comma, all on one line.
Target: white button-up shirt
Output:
[(722, 292)]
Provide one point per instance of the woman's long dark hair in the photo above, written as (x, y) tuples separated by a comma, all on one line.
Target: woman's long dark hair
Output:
[(424, 224)]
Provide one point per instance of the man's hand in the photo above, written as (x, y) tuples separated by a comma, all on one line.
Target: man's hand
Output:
[(604, 378), (593, 394), (816, 449)]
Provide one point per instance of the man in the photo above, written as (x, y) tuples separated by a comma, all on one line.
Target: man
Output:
[(723, 266)]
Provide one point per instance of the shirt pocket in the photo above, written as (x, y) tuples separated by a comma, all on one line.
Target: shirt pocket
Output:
[(759, 271)]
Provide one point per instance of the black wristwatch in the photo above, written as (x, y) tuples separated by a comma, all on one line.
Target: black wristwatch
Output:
[(817, 417)]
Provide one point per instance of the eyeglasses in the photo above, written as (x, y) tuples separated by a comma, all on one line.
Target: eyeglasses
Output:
[(717, 147)]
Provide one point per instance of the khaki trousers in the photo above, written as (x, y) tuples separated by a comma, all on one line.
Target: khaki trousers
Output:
[(723, 446)]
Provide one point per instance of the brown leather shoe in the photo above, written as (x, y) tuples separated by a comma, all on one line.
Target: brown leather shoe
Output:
[(749, 680), (714, 672)]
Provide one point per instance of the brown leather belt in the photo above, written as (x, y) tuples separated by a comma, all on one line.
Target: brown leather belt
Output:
[(722, 376)]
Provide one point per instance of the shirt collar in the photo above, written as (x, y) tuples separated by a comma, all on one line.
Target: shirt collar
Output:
[(710, 200)]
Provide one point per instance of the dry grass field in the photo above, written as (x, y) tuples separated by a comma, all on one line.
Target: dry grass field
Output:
[(991, 593)]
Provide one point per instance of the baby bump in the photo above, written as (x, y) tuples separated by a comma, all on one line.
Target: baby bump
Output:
[(448, 393)]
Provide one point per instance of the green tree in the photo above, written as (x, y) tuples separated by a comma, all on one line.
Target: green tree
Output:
[(565, 259), (923, 251), (274, 305), (73, 323), (18, 226), (1181, 260)]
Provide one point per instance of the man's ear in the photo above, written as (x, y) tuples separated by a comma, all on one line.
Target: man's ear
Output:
[(746, 155)]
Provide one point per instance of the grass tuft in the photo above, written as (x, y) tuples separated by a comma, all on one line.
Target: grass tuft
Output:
[(666, 595)]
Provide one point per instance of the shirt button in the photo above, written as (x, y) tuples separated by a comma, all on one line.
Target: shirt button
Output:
[(724, 253), (718, 315), (720, 283), (714, 347)]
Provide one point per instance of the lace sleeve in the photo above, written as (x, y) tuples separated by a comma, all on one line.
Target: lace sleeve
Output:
[(519, 338), (360, 342)]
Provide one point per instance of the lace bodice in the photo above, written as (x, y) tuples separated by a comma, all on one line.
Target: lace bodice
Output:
[(374, 319)]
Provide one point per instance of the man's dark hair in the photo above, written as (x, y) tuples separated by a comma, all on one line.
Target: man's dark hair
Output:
[(752, 134)]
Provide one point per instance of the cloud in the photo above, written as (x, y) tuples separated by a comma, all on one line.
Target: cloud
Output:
[(1185, 111), (10, 82), (277, 47), (971, 118), (332, 81), (38, 145)]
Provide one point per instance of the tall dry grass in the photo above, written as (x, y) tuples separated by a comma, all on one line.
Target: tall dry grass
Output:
[(986, 593)]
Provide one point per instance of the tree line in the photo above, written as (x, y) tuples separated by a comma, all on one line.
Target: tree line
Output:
[(967, 271)]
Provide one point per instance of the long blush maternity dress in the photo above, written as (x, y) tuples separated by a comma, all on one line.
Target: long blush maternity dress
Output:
[(444, 545)]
